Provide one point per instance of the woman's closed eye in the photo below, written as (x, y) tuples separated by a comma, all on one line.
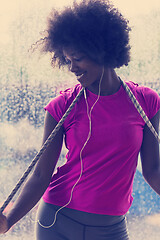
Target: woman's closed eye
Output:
[(78, 59)]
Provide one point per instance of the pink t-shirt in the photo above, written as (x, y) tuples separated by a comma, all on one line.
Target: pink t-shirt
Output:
[(110, 156)]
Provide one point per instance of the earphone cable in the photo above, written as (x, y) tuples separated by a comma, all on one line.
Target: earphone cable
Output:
[(84, 145)]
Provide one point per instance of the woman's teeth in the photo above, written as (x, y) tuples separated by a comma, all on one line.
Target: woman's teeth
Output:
[(79, 76)]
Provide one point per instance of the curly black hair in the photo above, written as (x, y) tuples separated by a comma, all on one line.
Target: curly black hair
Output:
[(94, 27)]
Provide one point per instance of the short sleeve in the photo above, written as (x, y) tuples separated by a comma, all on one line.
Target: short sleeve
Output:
[(147, 98), (56, 107), (152, 100)]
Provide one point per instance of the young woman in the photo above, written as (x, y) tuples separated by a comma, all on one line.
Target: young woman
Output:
[(88, 197)]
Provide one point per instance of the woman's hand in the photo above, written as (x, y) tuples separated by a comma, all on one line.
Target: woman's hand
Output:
[(3, 224), (38, 182)]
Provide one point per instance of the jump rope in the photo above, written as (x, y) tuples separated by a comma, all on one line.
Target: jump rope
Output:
[(56, 129)]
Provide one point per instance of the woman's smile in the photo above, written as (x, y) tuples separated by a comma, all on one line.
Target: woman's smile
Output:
[(86, 70), (81, 76)]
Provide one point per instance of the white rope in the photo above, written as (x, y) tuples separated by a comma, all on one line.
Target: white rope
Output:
[(140, 110)]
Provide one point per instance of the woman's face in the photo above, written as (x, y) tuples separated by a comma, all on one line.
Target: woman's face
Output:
[(87, 72)]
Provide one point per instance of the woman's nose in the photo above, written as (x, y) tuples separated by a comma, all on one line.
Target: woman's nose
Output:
[(73, 67)]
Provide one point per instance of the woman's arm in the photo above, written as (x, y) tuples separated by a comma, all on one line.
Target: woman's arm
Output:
[(39, 180), (150, 156)]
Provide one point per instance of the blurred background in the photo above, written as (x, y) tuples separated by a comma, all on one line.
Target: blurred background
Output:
[(28, 83)]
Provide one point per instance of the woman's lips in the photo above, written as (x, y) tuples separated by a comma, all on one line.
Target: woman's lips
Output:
[(80, 76)]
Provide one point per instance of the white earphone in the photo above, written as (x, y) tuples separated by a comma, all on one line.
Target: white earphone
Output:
[(84, 145)]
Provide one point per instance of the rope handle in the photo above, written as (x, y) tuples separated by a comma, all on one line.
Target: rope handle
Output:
[(41, 151), (140, 110)]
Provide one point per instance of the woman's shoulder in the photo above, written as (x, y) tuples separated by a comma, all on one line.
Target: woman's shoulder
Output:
[(66, 95), (70, 92), (139, 89), (58, 105), (147, 97)]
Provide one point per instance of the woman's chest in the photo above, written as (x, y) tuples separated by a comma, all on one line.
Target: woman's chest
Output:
[(107, 124)]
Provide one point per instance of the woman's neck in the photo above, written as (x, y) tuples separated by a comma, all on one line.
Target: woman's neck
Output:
[(110, 83)]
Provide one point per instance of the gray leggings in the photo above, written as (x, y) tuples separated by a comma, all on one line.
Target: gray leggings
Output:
[(76, 225)]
